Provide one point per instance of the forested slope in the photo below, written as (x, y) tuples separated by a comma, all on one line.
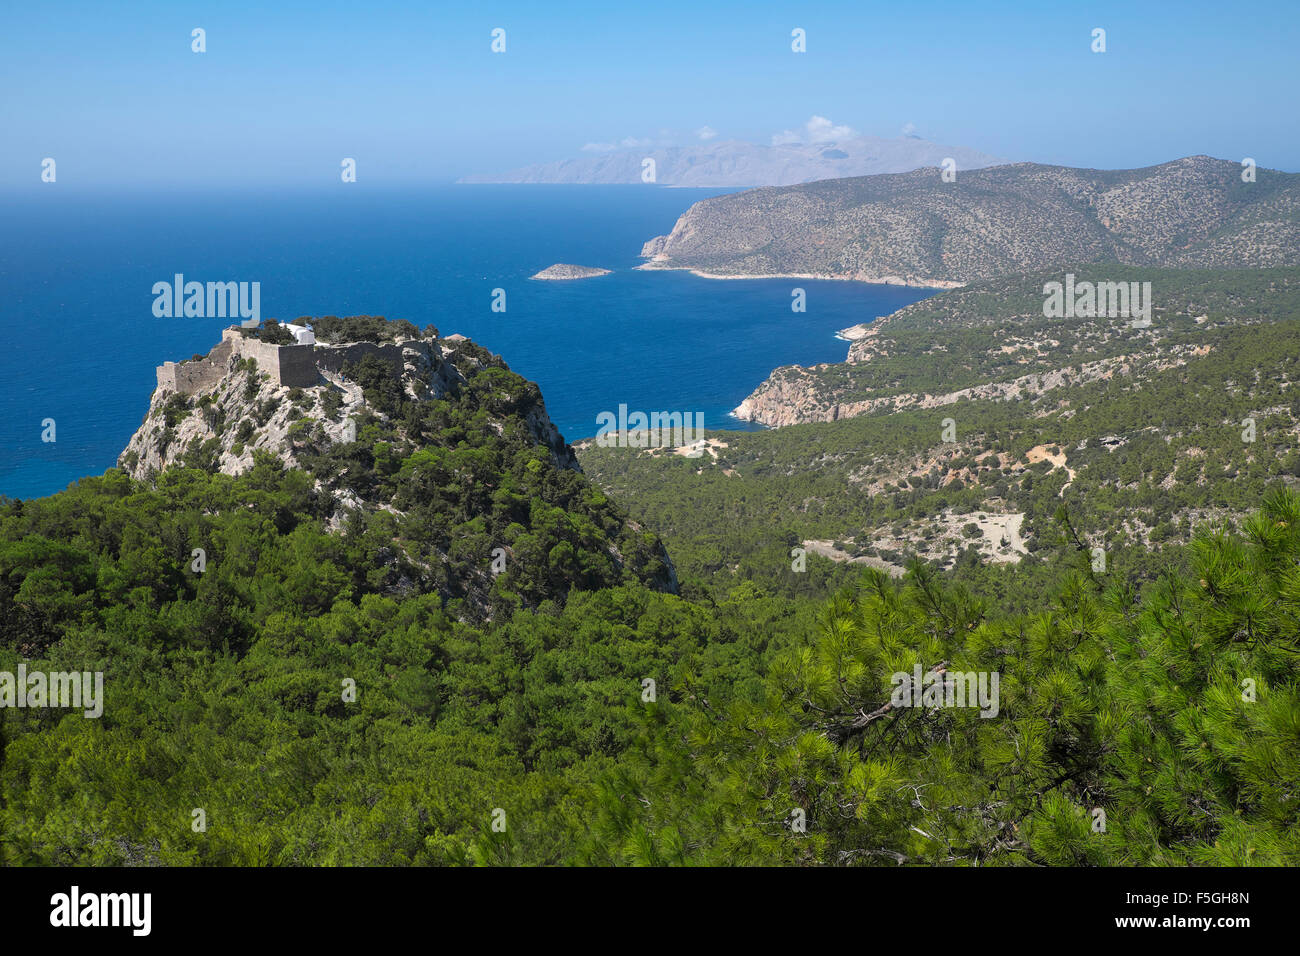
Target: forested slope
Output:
[(308, 708)]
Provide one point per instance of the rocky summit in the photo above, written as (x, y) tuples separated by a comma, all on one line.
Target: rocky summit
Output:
[(433, 435)]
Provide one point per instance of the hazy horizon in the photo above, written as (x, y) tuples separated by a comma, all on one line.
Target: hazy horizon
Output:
[(418, 96)]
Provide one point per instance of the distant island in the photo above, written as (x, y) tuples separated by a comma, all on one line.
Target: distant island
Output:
[(563, 270)]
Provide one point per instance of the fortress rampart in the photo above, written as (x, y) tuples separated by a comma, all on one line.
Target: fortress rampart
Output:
[(292, 365), (334, 357)]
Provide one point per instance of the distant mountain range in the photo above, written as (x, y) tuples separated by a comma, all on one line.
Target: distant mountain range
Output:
[(734, 163), (914, 228)]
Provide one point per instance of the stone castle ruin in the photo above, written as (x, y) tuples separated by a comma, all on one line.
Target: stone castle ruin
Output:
[(297, 365)]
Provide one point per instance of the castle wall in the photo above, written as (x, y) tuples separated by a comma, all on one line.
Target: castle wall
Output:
[(195, 375), (291, 365), (334, 357), (298, 366), (220, 354), (167, 376)]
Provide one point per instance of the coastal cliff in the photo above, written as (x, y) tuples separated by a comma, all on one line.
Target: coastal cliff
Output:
[(990, 340)]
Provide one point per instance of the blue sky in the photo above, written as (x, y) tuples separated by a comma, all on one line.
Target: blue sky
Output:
[(113, 92)]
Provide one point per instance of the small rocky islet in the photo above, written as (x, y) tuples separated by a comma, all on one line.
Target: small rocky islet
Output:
[(563, 270)]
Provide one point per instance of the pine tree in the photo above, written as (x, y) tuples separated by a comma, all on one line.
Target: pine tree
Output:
[(1152, 730)]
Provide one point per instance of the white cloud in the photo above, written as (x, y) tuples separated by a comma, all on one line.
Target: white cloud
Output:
[(627, 142), (818, 129), (706, 133), (909, 129), (822, 130)]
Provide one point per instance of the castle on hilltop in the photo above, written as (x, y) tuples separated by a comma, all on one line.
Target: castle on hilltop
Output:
[(298, 365)]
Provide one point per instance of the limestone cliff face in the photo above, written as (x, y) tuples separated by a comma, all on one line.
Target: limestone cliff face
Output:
[(791, 396), (655, 246)]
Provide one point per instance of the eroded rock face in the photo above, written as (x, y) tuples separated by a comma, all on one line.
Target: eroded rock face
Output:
[(791, 395)]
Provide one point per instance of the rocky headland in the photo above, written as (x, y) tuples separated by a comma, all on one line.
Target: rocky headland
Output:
[(919, 229)]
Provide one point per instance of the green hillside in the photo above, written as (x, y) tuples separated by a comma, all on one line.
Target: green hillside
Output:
[(1114, 550)]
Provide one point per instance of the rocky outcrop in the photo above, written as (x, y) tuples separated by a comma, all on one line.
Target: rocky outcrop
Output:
[(787, 398), (855, 333), (234, 408), (429, 445), (654, 248)]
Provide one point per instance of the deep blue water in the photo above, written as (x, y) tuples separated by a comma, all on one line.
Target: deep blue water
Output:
[(79, 341)]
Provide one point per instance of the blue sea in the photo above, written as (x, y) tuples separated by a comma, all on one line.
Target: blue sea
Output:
[(79, 341)]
